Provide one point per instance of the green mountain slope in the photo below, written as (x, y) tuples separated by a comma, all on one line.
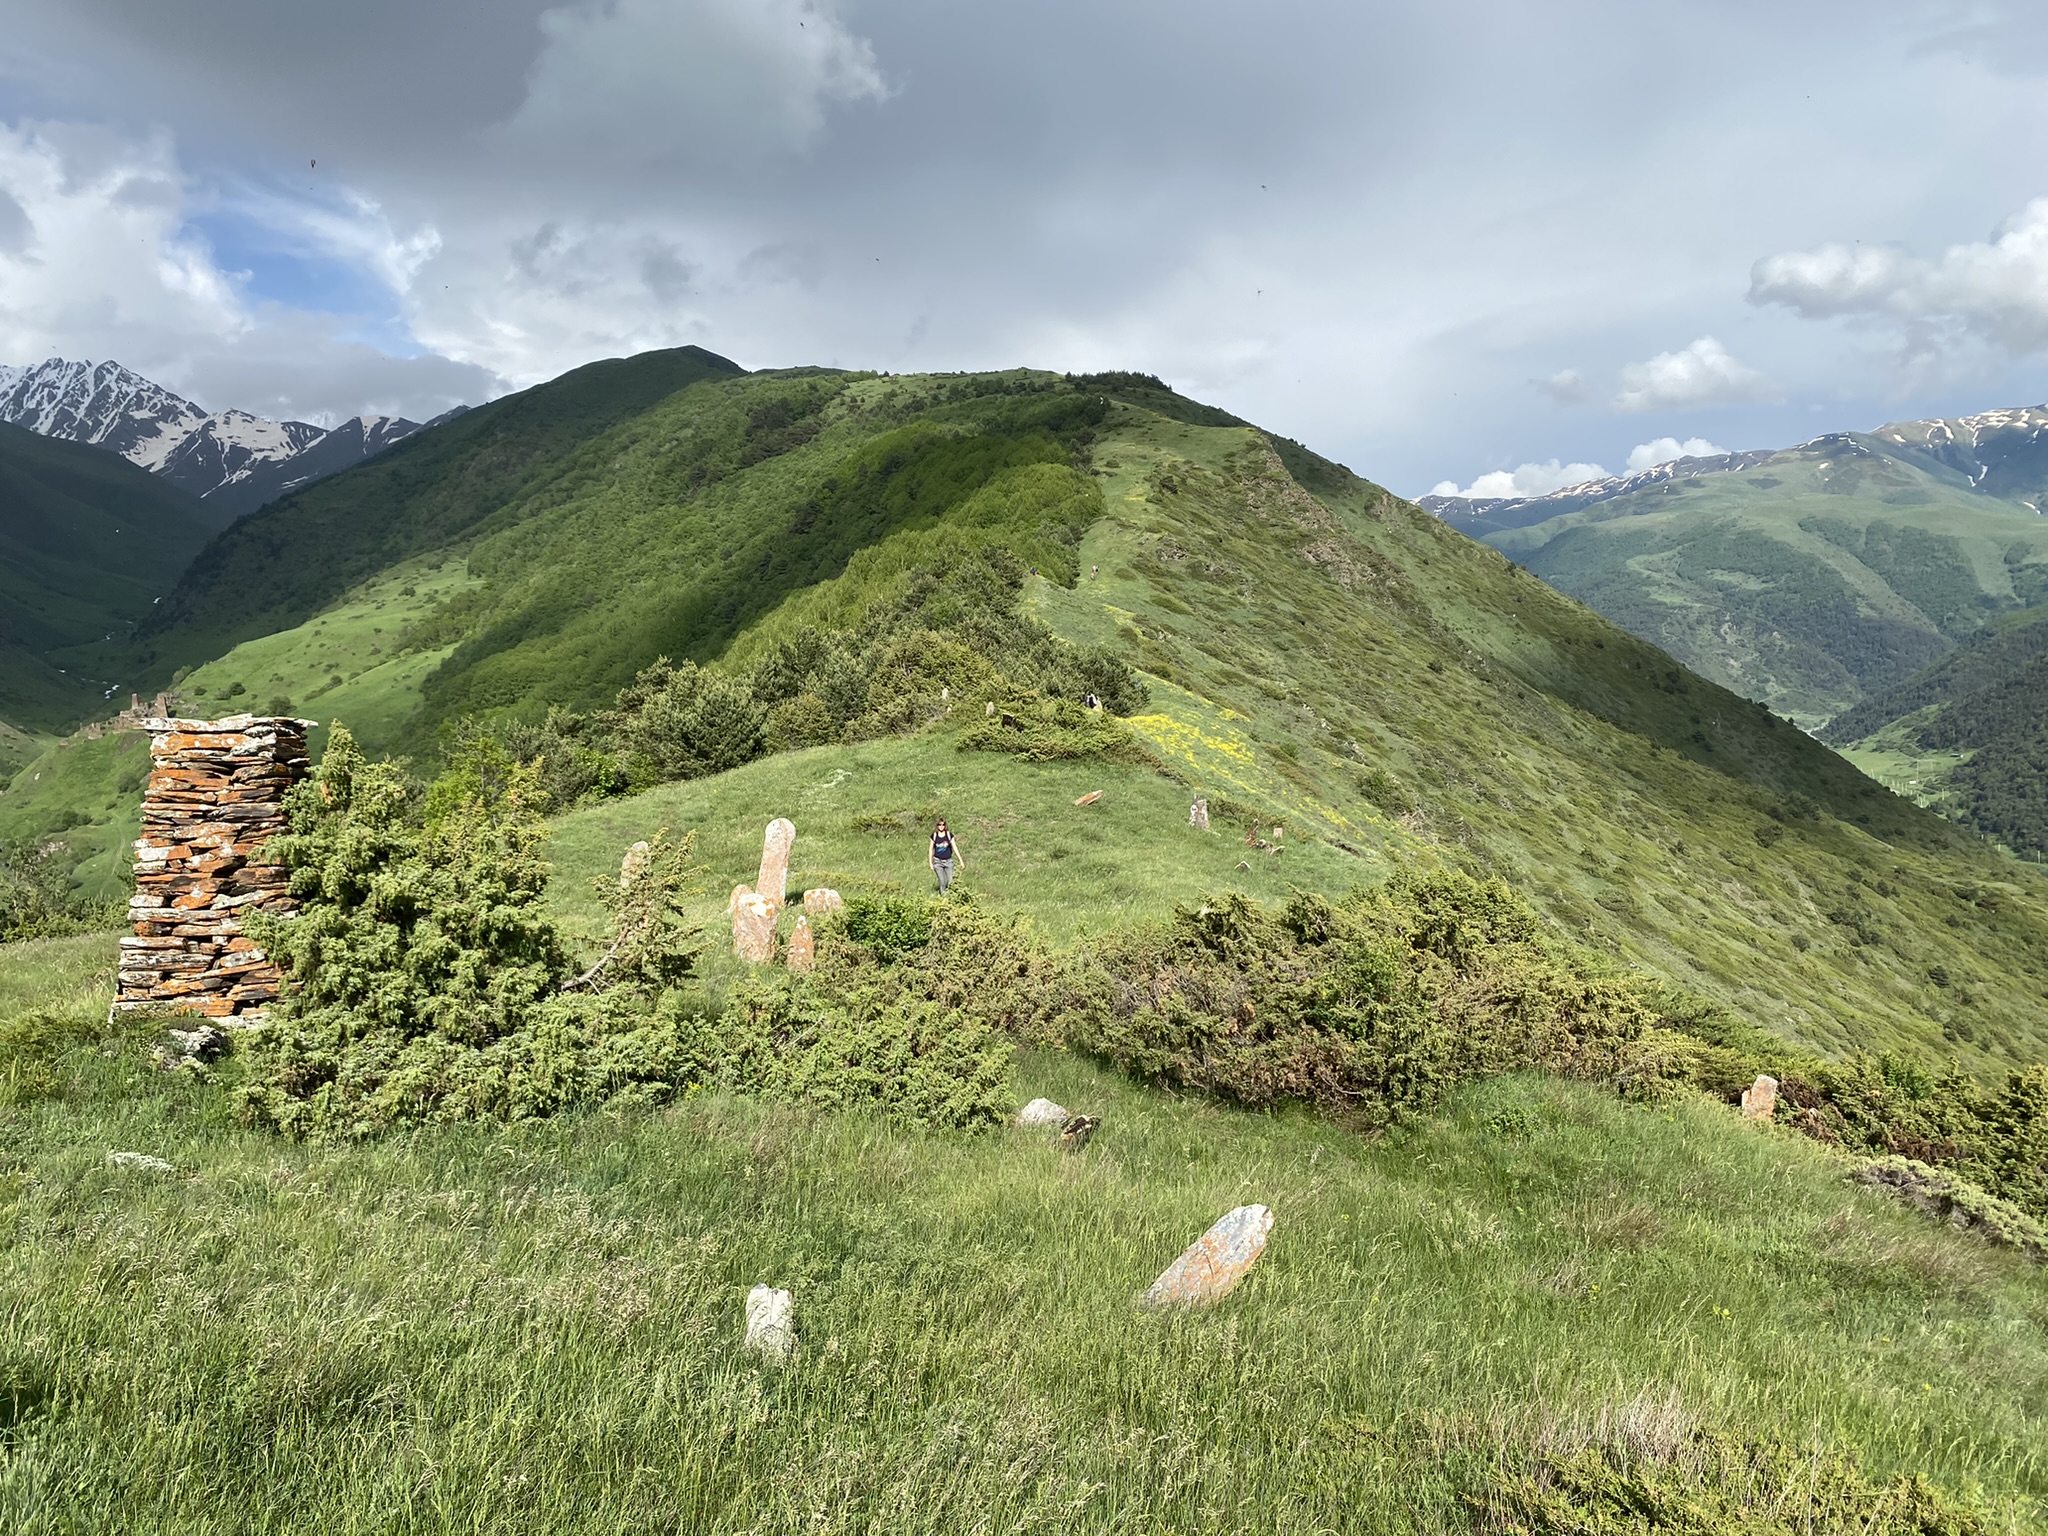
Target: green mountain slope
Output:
[(1968, 735), (1321, 655), (1811, 578), (286, 562), (87, 543)]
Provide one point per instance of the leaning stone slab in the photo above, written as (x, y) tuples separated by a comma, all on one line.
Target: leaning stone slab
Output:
[(1210, 1270), (771, 1323), (1042, 1112), (1760, 1099)]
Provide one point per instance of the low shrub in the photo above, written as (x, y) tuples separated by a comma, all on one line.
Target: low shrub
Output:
[(1375, 1005), (888, 927), (36, 899), (424, 980), (1716, 1485), (1055, 730), (878, 1044)]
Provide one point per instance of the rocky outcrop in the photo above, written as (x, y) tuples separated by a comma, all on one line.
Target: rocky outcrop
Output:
[(215, 796)]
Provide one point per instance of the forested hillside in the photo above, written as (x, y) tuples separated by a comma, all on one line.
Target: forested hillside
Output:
[(88, 542), (1968, 735)]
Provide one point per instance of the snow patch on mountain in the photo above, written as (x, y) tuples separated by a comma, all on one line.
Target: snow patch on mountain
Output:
[(235, 458)]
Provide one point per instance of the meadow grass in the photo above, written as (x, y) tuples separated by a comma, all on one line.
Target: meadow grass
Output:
[(864, 813), (537, 1327)]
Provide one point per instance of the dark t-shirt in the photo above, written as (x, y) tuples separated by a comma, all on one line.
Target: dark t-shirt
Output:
[(942, 847)]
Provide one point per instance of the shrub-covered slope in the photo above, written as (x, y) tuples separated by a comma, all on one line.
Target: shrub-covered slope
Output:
[(1329, 658), (88, 542), (1810, 578)]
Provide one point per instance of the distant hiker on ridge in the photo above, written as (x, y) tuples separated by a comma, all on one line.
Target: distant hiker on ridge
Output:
[(944, 855)]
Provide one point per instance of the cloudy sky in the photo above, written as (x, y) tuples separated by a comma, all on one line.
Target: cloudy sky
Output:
[(1441, 242)]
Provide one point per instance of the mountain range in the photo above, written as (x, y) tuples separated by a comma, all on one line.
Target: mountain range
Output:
[(232, 459), (1810, 577)]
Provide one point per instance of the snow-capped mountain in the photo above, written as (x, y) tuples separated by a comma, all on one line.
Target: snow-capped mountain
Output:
[(233, 460), (1522, 511), (2001, 453)]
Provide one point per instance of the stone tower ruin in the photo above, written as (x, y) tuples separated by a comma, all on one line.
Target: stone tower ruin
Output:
[(215, 795)]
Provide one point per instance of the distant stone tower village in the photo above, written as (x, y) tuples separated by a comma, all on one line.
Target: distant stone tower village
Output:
[(216, 793)]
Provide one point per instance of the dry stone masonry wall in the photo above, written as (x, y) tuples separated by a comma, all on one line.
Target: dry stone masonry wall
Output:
[(215, 795)]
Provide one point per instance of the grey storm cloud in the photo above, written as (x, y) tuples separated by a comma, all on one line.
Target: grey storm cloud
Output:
[(1368, 225), (17, 230)]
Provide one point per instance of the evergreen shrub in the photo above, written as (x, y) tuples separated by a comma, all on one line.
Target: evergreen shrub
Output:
[(425, 981)]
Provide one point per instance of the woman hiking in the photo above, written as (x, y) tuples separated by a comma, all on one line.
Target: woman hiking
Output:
[(945, 855)]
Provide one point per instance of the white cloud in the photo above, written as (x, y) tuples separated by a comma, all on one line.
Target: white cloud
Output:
[(105, 267), (1663, 450), (1995, 290), (1701, 374), (1565, 387), (1528, 480), (101, 256)]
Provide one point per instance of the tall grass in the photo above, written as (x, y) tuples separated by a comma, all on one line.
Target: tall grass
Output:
[(537, 1328)]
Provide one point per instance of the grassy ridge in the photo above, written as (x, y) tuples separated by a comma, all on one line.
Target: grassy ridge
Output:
[(536, 1328)]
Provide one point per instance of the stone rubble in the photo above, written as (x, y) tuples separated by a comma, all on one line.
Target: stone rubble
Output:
[(1210, 1269), (215, 796)]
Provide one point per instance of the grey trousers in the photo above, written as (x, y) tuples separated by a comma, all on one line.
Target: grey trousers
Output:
[(945, 869)]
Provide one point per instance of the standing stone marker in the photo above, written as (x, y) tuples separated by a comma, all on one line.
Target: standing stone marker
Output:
[(753, 928), (1760, 1099), (773, 882), (771, 1322), (1198, 813), (215, 795), (803, 949), (821, 902), (1210, 1270)]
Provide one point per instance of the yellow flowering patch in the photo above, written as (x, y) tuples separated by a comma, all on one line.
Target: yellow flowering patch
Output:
[(1219, 755)]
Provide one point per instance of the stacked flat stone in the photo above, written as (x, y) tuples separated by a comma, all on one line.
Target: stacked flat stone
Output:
[(215, 796)]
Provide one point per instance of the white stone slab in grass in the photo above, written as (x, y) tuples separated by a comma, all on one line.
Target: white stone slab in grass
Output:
[(771, 1323), (1210, 1269)]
